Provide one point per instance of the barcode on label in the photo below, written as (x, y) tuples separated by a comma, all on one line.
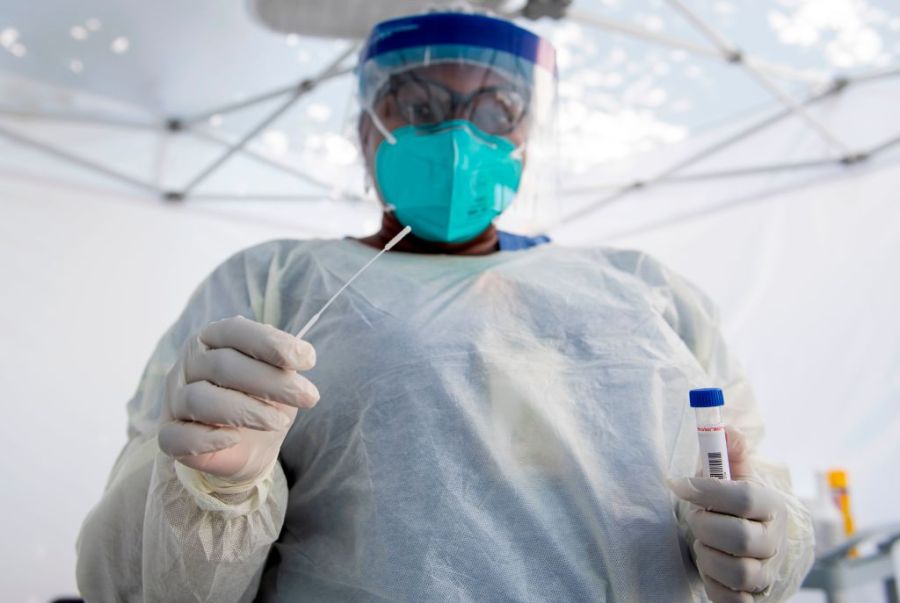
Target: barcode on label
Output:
[(715, 465)]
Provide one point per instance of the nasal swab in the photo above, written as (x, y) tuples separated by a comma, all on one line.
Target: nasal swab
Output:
[(315, 318)]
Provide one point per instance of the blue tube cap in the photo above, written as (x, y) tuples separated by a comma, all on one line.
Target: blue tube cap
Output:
[(707, 397)]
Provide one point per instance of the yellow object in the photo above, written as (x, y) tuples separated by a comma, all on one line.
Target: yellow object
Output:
[(837, 481), (837, 478)]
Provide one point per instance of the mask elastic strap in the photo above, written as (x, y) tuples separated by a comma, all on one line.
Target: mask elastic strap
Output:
[(380, 127)]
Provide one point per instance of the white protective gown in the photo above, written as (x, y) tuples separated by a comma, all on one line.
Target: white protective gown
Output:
[(493, 428)]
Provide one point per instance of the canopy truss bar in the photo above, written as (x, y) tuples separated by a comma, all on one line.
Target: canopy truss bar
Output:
[(79, 161), (755, 170), (333, 70), (237, 106), (261, 158), (261, 98), (725, 205), (799, 110), (260, 197), (786, 72), (237, 146), (884, 146), (733, 54), (636, 31), (335, 67), (642, 33), (737, 173), (734, 173), (720, 145), (700, 155), (837, 86), (78, 118), (724, 46), (723, 144), (745, 133), (875, 75), (160, 159), (799, 165), (849, 159), (597, 205), (722, 205)]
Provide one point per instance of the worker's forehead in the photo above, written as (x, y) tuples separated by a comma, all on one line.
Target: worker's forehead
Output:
[(462, 77)]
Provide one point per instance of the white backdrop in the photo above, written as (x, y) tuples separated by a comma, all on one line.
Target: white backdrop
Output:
[(807, 280)]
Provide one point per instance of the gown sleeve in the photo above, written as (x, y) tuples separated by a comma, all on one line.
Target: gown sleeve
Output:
[(693, 316), (157, 534)]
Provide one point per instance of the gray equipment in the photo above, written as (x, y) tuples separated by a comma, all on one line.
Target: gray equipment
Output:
[(837, 570)]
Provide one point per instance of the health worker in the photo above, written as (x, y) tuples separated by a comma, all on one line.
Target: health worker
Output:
[(481, 416)]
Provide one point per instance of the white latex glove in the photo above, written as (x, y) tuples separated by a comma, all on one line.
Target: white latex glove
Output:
[(231, 398), (739, 528)]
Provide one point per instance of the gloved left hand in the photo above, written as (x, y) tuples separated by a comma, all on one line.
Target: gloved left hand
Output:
[(739, 527)]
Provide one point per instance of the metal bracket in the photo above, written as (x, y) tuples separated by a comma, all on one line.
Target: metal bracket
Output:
[(555, 9)]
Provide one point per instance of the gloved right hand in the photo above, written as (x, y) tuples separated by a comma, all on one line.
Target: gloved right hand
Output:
[(231, 398)]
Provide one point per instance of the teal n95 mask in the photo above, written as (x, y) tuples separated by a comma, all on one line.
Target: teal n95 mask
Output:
[(448, 181)]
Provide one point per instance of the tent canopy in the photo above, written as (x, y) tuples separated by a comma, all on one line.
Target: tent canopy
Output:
[(635, 76), (753, 146)]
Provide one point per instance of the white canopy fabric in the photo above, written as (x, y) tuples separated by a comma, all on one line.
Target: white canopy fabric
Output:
[(634, 76), (802, 259)]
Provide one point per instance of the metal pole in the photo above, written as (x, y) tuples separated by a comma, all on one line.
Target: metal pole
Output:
[(74, 117), (255, 100), (753, 170), (880, 148), (799, 111), (721, 43), (252, 197), (838, 86), (722, 206), (237, 106), (635, 31), (160, 158), (333, 70), (592, 207), (876, 75), (70, 158), (203, 175), (261, 158), (749, 171), (744, 134), (786, 72), (732, 54), (588, 18), (722, 144)]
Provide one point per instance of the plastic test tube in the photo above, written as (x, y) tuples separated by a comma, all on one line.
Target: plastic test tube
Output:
[(707, 404)]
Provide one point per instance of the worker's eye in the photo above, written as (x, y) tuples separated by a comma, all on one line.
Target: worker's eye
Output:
[(420, 104), (421, 113), (498, 110)]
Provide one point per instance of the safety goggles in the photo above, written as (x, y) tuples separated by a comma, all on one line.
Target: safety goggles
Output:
[(422, 102)]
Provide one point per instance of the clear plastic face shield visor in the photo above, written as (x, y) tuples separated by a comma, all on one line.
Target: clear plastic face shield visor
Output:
[(487, 77)]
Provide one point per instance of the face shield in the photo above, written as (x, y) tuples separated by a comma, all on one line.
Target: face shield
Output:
[(465, 108)]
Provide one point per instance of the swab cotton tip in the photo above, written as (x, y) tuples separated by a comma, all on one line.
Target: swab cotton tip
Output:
[(397, 239)]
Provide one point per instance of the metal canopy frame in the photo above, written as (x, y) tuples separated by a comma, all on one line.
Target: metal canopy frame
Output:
[(759, 71), (192, 125), (720, 49)]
